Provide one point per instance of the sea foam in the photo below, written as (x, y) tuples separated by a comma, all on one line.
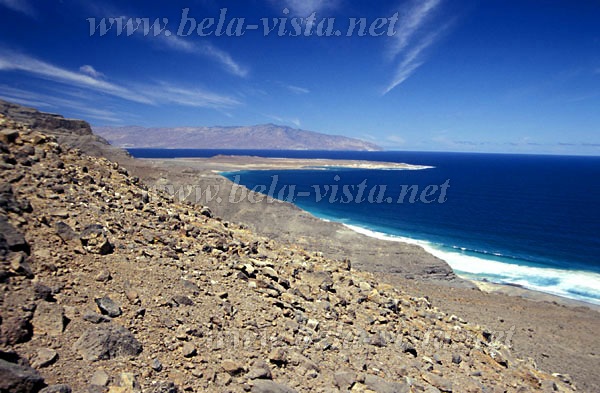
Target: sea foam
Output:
[(573, 284)]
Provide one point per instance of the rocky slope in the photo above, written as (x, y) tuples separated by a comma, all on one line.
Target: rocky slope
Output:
[(109, 286), (266, 136), (69, 132)]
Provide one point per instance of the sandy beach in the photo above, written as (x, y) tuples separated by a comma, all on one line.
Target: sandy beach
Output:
[(222, 163)]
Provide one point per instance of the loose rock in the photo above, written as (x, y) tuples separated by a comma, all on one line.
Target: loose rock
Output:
[(107, 342)]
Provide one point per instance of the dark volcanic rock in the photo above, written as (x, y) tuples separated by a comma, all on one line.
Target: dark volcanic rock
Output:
[(16, 330), (108, 307), (18, 378), (8, 201), (107, 342), (13, 239), (56, 389), (65, 232)]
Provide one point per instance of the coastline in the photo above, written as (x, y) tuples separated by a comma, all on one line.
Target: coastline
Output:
[(559, 338), (222, 164), (557, 333), (231, 164)]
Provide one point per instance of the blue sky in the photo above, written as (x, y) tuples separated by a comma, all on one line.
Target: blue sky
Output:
[(493, 76)]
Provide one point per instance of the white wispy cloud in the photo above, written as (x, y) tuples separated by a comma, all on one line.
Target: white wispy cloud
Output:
[(412, 39), (172, 41), (205, 49), (14, 61), (304, 8), (298, 89), (53, 102), (294, 89), (22, 6), (410, 23), (194, 97), (412, 60), (152, 94), (91, 71), (396, 140), (295, 121)]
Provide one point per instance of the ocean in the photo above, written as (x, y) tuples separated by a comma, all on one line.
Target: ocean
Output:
[(526, 220)]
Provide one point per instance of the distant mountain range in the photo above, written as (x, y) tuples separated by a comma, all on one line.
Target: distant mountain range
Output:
[(266, 136)]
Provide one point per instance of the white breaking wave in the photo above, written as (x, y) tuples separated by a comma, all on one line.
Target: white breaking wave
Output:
[(573, 284)]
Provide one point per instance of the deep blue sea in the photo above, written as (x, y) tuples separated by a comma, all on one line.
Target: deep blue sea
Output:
[(527, 220)]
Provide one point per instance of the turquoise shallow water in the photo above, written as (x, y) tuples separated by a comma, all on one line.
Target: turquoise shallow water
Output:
[(532, 221)]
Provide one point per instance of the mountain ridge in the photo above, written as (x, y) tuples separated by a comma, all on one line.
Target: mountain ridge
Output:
[(262, 136)]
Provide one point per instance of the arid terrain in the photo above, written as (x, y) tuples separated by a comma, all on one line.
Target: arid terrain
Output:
[(264, 136), (111, 284)]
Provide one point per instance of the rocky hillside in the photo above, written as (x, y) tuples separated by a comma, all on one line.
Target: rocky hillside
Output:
[(110, 287), (266, 136), (69, 132)]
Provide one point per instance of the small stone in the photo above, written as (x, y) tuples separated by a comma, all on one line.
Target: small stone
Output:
[(441, 383), (222, 295), (103, 276), (182, 300), (231, 367), (165, 387), (156, 365), (205, 211), (365, 286), (8, 136), (108, 307), (270, 272), (44, 357), (409, 348), (128, 384), (16, 330), (224, 379), (56, 389), (188, 350), (60, 213), (266, 386), (312, 324), (132, 295), (42, 292), (107, 341), (259, 372), (65, 232), (278, 356), (19, 265), (377, 340), (344, 380), (100, 378), (380, 385), (456, 358), (95, 317), (48, 319)]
